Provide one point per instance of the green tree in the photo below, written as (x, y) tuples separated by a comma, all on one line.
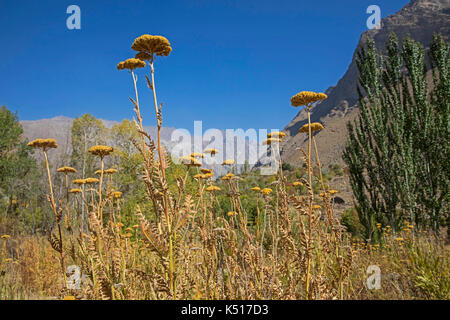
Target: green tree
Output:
[(86, 132), (398, 147), (16, 163)]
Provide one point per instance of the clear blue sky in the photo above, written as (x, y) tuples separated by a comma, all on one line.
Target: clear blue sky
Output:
[(235, 63)]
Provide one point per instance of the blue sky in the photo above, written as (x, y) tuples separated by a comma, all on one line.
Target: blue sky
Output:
[(235, 63)]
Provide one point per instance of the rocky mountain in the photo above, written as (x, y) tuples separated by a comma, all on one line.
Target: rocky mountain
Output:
[(419, 19)]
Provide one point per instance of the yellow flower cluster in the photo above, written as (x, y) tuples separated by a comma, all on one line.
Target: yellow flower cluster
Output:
[(116, 194), (256, 189), (91, 180), (143, 56), (130, 64), (5, 236), (66, 170), (211, 151), (297, 184), (76, 190), (276, 134), (271, 141), (100, 150), (43, 143), (79, 181), (266, 191), (212, 188), (197, 155), (147, 43), (190, 161), (231, 213), (305, 98), (315, 126), (228, 162)]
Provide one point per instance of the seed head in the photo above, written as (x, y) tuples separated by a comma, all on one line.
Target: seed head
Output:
[(306, 98), (66, 170), (315, 126), (43, 144), (101, 151), (130, 64), (151, 45)]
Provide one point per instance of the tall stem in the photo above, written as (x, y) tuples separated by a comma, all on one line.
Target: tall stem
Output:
[(311, 195), (163, 175), (52, 199)]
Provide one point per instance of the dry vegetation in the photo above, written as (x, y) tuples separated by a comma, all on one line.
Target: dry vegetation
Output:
[(184, 248)]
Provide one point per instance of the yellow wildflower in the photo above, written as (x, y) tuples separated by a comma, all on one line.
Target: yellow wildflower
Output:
[(197, 155), (76, 190), (276, 134), (211, 151), (212, 188), (315, 126), (79, 181), (110, 171), (231, 213), (228, 162), (91, 180), (5, 236), (271, 141), (43, 143), (266, 191), (66, 170), (158, 45), (297, 184), (100, 150), (305, 98), (69, 298), (256, 189), (204, 170)]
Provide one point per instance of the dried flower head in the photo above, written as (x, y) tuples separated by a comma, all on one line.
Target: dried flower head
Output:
[(224, 178), (315, 126), (230, 175), (212, 189), (130, 64), (43, 144), (91, 180), (5, 236), (266, 191), (117, 194), (79, 181), (271, 141), (276, 134), (205, 170), (190, 161), (75, 190), (144, 56), (212, 151), (198, 176), (228, 162), (101, 151), (110, 171), (66, 170), (147, 43), (197, 155), (305, 98)]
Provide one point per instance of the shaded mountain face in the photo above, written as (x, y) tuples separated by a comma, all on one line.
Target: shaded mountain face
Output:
[(419, 19)]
